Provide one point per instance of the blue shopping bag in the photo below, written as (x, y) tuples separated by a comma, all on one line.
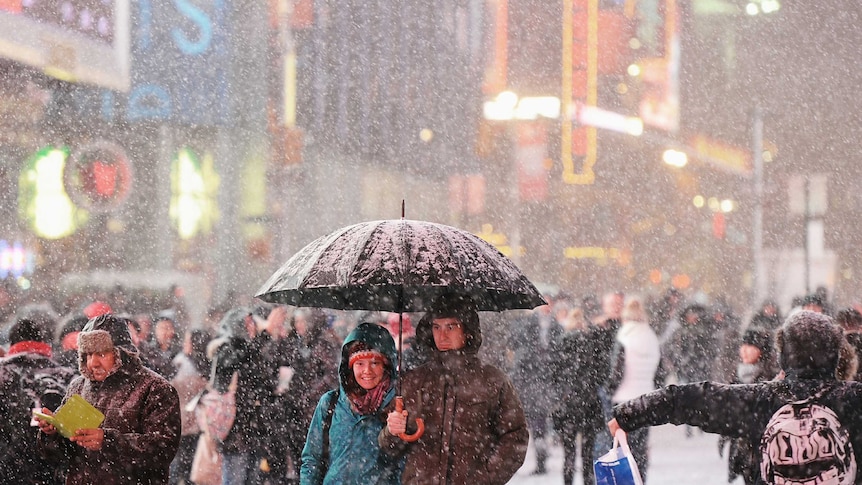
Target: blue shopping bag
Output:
[(617, 466)]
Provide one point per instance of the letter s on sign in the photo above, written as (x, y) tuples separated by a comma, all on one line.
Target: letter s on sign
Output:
[(204, 23)]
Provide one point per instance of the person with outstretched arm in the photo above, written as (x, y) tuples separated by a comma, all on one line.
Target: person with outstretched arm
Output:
[(805, 425)]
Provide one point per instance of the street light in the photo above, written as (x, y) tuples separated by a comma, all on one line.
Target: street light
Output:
[(675, 158)]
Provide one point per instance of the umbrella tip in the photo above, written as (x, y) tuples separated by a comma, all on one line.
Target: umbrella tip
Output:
[(402, 208)]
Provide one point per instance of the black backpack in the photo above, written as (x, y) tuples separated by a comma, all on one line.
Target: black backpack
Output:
[(28, 387)]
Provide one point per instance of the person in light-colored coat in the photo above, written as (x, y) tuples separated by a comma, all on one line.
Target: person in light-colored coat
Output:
[(637, 369)]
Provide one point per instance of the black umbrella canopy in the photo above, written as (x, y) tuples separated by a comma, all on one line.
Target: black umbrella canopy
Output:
[(399, 266)]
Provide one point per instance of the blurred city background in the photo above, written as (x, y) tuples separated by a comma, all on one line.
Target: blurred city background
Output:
[(706, 145)]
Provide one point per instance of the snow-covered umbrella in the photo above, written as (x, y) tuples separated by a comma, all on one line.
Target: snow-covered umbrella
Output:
[(399, 266)]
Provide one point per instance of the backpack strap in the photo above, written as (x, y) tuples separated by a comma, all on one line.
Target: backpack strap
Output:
[(327, 424), (818, 394)]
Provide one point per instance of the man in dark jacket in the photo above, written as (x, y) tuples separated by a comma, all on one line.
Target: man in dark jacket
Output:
[(475, 430), (24, 374), (141, 431), (238, 350), (809, 347)]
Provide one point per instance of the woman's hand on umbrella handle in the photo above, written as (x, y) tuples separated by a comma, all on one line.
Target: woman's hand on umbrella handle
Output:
[(400, 416)]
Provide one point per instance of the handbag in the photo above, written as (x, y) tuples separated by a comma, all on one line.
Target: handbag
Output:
[(206, 465), (215, 411), (617, 466)]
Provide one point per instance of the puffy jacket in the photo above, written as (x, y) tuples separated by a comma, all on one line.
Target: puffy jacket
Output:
[(142, 428), (354, 455), (475, 430)]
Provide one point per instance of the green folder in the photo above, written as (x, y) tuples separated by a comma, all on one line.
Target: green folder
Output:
[(75, 414)]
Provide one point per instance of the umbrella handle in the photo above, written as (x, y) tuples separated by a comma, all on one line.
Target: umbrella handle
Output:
[(420, 424)]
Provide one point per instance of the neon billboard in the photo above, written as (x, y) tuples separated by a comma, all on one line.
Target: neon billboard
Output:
[(84, 41)]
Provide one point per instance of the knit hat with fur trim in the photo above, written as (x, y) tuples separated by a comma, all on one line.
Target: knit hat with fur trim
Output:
[(809, 341), (361, 350)]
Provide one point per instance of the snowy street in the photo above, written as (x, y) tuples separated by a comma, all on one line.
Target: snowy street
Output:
[(674, 460)]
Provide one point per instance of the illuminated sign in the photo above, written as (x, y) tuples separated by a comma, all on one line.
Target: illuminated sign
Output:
[(180, 55), (99, 177), (42, 200), (15, 259), (721, 155), (608, 120), (75, 40)]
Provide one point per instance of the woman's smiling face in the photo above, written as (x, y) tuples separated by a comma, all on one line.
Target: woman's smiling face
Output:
[(369, 372)]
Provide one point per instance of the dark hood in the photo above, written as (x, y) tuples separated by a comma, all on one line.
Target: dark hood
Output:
[(447, 306)]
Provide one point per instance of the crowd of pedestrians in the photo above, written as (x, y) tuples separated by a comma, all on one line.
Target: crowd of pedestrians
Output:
[(555, 375), (598, 356)]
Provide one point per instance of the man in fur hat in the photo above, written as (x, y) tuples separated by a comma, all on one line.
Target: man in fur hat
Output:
[(811, 352), (141, 432)]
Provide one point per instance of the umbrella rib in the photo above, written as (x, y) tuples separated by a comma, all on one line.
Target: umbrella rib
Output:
[(326, 244), (368, 230)]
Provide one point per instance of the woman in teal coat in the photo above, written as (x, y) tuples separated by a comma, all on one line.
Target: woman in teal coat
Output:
[(351, 454)]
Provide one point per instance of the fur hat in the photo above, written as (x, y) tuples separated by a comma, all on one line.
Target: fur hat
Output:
[(809, 341), (105, 333)]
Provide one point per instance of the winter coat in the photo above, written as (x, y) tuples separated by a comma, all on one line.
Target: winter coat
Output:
[(20, 462), (637, 362), (576, 379), (475, 430), (142, 428), (743, 410), (189, 382), (257, 379), (354, 454), (532, 359)]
